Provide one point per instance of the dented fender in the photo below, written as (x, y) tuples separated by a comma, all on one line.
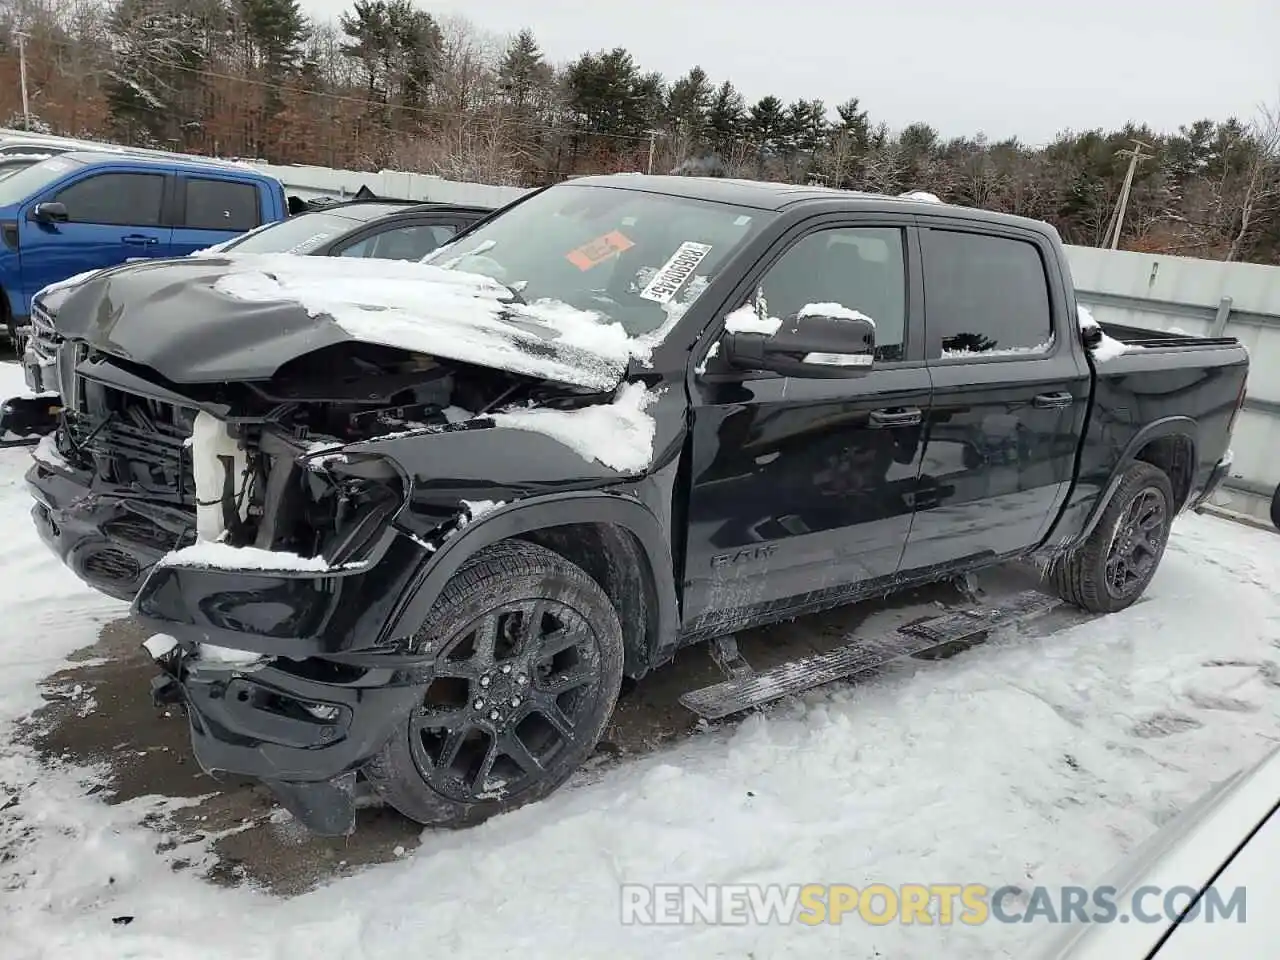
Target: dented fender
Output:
[(547, 513)]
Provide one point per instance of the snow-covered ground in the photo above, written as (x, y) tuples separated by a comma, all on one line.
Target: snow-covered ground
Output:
[(1031, 759)]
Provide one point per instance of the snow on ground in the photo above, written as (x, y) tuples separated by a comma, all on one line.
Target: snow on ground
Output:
[(1029, 759)]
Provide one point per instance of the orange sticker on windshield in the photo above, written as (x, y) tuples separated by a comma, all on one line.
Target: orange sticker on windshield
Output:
[(599, 250)]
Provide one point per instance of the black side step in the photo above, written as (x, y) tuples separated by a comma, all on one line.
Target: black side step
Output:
[(749, 690)]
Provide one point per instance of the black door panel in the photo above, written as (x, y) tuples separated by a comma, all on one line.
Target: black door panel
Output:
[(802, 489), (795, 491), (996, 465), (1008, 403)]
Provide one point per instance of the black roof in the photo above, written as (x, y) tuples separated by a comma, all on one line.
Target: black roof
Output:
[(762, 195)]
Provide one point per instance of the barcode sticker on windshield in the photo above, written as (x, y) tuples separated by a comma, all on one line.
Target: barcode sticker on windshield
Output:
[(672, 275)]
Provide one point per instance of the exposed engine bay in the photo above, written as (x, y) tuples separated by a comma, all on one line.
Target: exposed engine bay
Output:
[(261, 463)]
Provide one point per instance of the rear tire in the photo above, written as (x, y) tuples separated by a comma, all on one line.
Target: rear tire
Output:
[(1113, 566), (527, 667), (1275, 508)]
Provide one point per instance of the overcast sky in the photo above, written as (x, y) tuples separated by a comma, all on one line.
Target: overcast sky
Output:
[(1006, 67)]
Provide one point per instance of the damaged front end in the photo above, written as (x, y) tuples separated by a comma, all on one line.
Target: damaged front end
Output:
[(257, 525)]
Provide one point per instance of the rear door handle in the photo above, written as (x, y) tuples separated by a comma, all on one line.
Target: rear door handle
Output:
[(895, 418), (1048, 400), (138, 240)]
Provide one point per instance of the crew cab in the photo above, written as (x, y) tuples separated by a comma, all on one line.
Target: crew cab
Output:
[(82, 211), (417, 521)]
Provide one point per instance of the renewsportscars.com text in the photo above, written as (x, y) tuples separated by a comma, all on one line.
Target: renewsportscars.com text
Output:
[(941, 904)]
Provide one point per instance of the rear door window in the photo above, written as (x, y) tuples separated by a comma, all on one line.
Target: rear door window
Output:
[(984, 296), (221, 205)]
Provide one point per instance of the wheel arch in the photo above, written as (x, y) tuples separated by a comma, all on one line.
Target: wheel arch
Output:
[(615, 539), (1170, 444)]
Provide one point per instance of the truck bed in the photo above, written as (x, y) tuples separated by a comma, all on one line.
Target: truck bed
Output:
[(1152, 339)]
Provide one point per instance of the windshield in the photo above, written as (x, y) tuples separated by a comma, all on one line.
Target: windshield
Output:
[(300, 234), (31, 180), (638, 258)]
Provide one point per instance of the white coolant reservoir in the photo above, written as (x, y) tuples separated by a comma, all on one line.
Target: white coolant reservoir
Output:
[(212, 447)]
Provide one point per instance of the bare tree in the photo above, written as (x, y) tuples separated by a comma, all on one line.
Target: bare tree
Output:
[(1260, 186)]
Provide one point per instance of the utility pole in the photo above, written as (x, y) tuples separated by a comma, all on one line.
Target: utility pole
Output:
[(22, 71), (1117, 218), (653, 142)]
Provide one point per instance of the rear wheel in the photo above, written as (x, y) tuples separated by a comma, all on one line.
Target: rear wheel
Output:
[(1112, 568), (1275, 508), (527, 667)]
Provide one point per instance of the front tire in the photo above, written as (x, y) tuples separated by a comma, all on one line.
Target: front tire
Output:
[(1113, 567), (527, 667), (1275, 508)]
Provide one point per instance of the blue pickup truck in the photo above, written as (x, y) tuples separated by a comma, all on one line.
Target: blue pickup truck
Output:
[(83, 211)]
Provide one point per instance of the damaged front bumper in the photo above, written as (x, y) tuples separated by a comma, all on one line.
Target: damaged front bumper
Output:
[(327, 685), (303, 728), (324, 690)]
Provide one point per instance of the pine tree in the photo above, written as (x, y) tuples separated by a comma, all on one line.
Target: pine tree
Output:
[(688, 102), (522, 70), (725, 117)]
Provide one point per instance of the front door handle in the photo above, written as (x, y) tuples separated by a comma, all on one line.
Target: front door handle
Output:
[(896, 418), (138, 240), (1049, 400)]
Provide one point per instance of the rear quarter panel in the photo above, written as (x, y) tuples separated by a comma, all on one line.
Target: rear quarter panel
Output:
[(1146, 394)]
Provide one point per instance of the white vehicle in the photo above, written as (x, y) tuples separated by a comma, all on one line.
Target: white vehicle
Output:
[(1229, 840)]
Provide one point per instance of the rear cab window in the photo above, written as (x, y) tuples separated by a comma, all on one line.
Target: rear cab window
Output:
[(985, 296), (226, 205)]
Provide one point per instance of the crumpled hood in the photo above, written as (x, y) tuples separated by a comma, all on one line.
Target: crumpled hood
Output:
[(240, 317)]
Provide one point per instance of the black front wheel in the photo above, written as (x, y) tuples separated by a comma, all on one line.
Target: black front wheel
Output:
[(527, 662), (1275, 508), (1112, 568)]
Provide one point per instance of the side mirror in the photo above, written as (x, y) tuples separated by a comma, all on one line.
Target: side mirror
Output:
[(1092, 335), (808, 345), (49, 212)]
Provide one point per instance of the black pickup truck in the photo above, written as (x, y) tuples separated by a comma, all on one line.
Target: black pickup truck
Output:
[(417, 522)]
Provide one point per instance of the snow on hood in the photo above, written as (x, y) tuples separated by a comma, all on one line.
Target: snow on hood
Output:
[(446, 313), (618, 434), (73, 281)]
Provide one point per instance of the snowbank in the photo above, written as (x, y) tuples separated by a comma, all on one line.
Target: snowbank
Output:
[(1109, 348), (618, 434), (445, 313)]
